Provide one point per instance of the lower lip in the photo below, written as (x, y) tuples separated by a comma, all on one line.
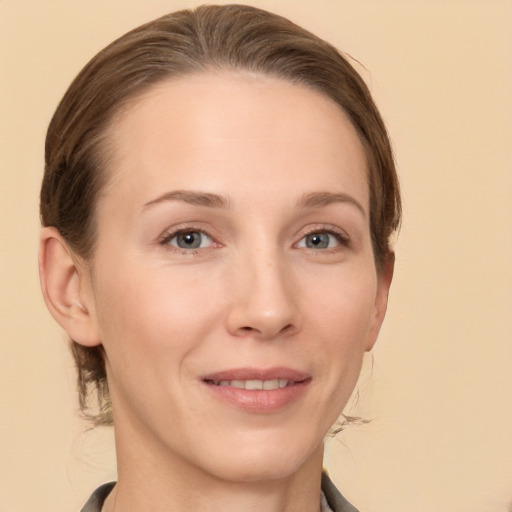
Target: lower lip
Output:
[(260, 401)]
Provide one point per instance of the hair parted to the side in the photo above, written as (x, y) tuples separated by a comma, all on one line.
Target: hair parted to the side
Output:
[(208, 38)]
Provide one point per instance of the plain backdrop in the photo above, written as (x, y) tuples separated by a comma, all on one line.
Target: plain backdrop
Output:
[(438, 387)]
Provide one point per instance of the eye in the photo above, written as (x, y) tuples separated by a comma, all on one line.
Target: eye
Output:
[(189, 240), (321, 240)]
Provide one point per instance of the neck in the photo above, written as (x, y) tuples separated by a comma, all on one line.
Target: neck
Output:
[(164, 483)]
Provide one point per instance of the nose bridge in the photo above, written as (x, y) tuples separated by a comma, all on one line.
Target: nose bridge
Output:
[(264, 303)]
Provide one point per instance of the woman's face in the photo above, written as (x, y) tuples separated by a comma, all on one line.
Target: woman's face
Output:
[(233, 253)]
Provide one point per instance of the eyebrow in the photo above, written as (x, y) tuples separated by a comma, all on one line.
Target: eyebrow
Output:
[(319, 199), (209, 200), (191, 197)]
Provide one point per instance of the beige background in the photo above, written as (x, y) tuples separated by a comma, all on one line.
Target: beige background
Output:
[(440, 392)]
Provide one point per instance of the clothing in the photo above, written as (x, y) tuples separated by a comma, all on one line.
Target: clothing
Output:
[(98, 497), (331, 498), (334, 497)]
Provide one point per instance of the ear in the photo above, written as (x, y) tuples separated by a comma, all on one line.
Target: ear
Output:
[(384, 278), (65, 284)]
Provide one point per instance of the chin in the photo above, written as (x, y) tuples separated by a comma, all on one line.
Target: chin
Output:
[(264, 472), (264, 461)]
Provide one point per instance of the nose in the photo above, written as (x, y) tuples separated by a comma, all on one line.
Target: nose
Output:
[(264, 302)]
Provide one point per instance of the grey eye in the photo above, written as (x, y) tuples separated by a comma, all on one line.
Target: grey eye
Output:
[(318, 240), (190, 240)]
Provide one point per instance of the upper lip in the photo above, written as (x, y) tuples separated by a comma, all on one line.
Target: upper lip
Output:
[(257, 374)]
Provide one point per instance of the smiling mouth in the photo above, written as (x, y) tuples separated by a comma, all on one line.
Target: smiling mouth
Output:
[(258, 390), (267, 385)]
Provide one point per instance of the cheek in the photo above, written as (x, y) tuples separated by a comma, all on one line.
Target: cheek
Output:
[(143, 312), (343, 308), (151, 325), (343, 318)]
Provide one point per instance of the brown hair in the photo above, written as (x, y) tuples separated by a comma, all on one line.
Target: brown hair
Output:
[(232, 37)]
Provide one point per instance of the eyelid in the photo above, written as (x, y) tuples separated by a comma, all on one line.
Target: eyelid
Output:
[(339, 233), (172, 232)]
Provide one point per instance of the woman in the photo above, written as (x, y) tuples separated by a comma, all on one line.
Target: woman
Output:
[(218, 199)]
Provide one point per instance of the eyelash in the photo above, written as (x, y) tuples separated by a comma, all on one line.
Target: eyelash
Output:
[(339, 235), (170, 235), (166, 238)]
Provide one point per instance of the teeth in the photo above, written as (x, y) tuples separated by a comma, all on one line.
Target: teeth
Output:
[(254, 384), (270, 384), (283, 383), (267, 385)]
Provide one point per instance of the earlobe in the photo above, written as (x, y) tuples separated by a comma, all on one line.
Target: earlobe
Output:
[(384, 278), (63, 288)]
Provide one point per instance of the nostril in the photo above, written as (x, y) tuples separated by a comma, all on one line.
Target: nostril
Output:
[(287, 329)]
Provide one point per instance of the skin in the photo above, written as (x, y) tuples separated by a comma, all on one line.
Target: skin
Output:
[(287, 169)]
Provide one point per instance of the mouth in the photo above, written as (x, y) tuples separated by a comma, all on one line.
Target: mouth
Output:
[(259, 391), (256, 384)]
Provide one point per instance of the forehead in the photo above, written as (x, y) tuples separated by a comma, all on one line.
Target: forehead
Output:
[(195, 131)]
